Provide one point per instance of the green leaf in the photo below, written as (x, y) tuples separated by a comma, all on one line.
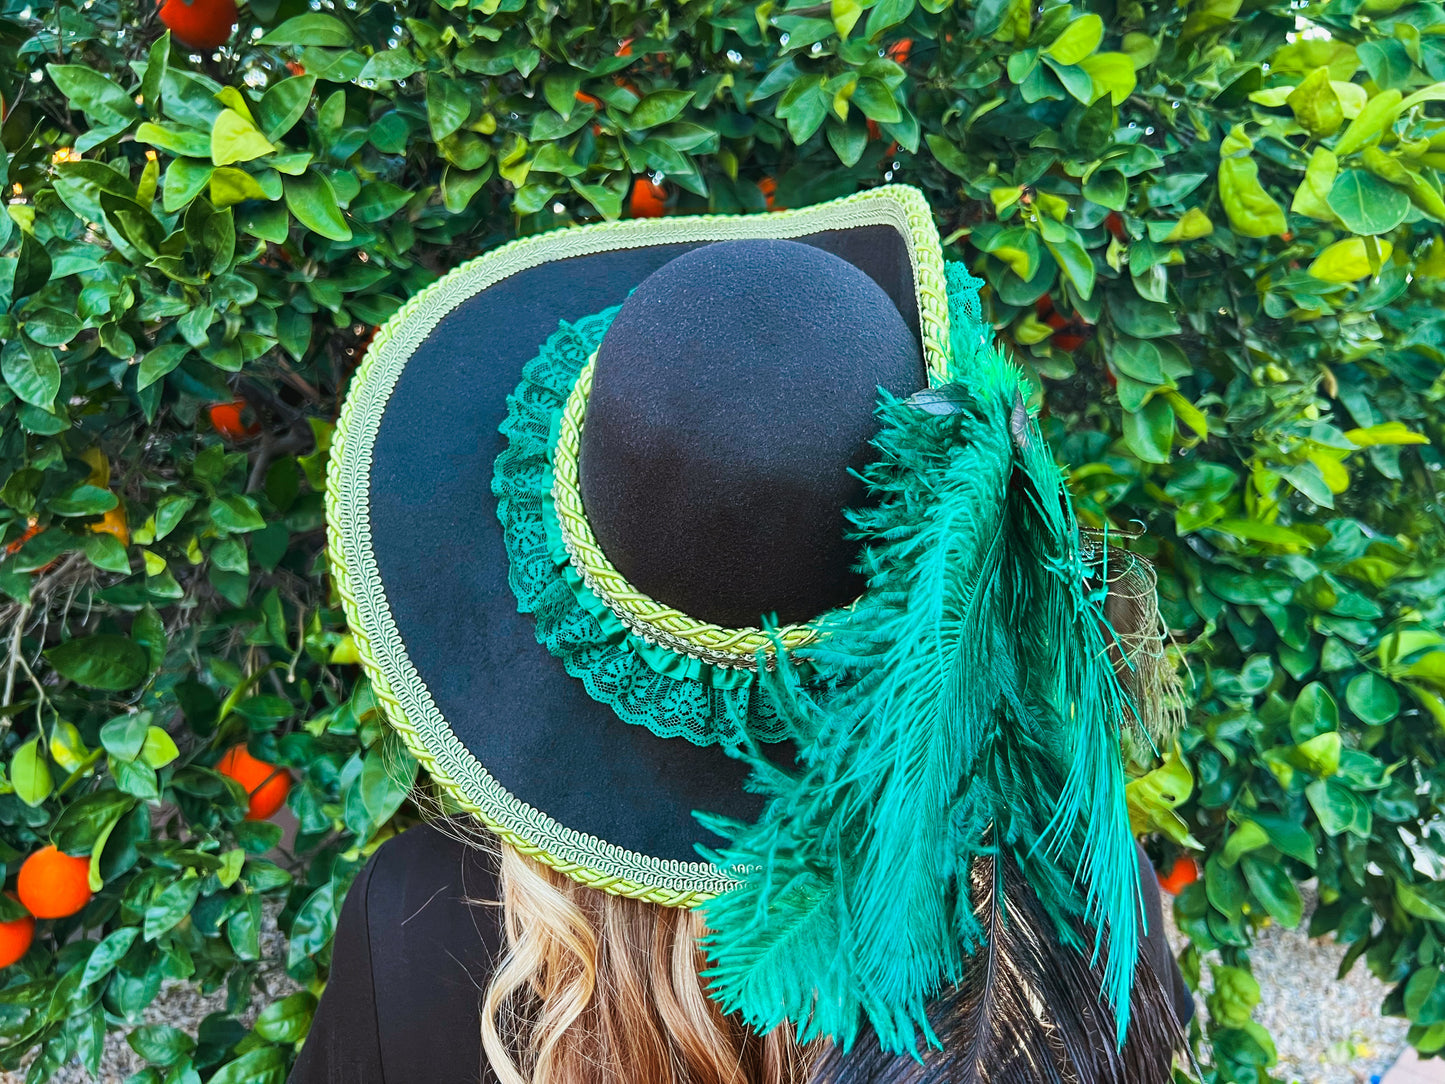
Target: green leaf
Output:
[(1314, 712), (1372, 699), (1378, 114), (33, 374), (391, 65), (1149, 431), (231, 864), (1366, 204), (1252, 211), (310, 29), (877, 101), (1068, 251), (1287, 835), (184, 180), (312, 200), (30, 773), (1425, 991), (236, 514), (659, 107), (159, 748), (125, 735), (1316, 105), (845, 15), (1080, 38), (264, 1065), (1312, 196), (284, 104), (103, 661), (161, 1044), (159, 362), (1339, 808), (83, 500), (169, 906), (1348, 260), (236, 139), (886, 14), (287, 1020), (93, 93), (1111, 74), (1422, 901), (385, 781), (107, 953), (186, 142), (50, 327), (1275, 888), (1247, 837), (447, 105), (105, 551)]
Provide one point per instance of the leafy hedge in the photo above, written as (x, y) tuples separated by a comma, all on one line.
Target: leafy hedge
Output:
[(1212, 228)]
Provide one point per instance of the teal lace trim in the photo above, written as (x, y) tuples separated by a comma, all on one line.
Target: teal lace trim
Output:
[(672, 695), (969, 333)]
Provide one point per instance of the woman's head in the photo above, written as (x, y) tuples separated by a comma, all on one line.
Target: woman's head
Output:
[(599, 988)]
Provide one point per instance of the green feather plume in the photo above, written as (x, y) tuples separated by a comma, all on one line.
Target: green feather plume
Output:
[(969, 712)]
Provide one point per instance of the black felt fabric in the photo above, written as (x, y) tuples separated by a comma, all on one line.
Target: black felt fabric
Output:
[(414, 952), (731, 407), (439, 551)]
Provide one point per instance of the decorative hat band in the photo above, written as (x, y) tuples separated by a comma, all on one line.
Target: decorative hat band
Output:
[(655, 622)]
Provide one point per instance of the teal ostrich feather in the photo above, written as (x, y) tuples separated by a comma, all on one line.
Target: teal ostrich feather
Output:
[(970, 713)]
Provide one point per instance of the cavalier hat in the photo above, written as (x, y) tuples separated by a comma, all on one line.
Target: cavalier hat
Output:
[(717, 561)]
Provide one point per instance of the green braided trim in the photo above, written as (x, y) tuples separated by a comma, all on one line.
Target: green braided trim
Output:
[(405, 699), (654, 621)]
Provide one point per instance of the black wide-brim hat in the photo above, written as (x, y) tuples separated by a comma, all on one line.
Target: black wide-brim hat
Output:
[(424, 535)]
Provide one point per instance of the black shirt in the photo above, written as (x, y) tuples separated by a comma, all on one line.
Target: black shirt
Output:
[(419, 934)]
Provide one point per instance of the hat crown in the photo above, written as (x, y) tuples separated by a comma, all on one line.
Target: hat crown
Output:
[(732, 401)]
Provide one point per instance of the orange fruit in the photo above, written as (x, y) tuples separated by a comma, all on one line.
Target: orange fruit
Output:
[(54, 884), (769, 188), (900, 50), (32, 528), (114, 523), (266, 784), (1115, 225), (201, 24), (15, 937), (589, 99), (227, 418), (1185, 871), (649, 200)]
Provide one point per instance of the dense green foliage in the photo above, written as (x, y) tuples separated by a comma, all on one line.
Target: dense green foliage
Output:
[(1207, 226)]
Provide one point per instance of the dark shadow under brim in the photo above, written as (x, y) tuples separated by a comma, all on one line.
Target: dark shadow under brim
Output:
[(418, 551)]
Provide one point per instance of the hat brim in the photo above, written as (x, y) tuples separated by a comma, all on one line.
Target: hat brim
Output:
[(419, 560)]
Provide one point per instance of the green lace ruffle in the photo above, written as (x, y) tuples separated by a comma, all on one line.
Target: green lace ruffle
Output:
[(671, 694)]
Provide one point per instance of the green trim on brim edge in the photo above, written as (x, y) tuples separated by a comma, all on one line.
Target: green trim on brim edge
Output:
[(404, 697)]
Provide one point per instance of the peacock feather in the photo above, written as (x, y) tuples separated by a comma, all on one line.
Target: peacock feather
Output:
[(960, 768)]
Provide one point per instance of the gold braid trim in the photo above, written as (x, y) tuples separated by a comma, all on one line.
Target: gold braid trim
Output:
[(652, 620)]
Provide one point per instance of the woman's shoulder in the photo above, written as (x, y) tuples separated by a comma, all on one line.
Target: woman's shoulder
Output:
[(419, 934), (431, 898)]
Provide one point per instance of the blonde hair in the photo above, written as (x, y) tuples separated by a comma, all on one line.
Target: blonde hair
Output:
[(598, 989)]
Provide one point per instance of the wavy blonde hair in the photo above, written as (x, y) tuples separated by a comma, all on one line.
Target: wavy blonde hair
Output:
[(598, 989)]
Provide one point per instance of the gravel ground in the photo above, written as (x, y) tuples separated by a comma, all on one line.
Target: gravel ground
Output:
[(1327, 1032)]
